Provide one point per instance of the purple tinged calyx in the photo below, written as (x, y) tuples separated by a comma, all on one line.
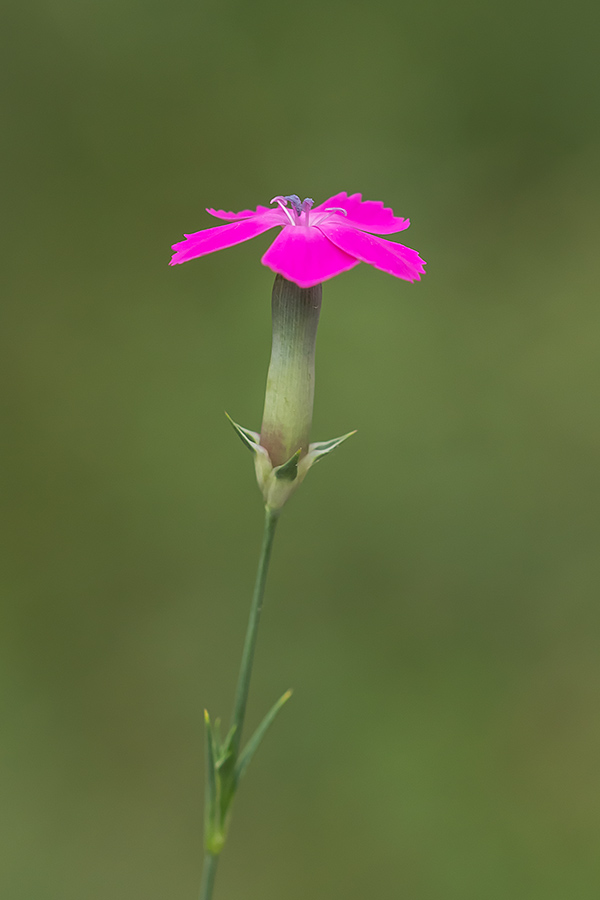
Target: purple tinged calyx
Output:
[(302, 209)]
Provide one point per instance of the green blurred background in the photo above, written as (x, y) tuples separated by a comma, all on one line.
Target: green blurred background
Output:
[(434, 593)]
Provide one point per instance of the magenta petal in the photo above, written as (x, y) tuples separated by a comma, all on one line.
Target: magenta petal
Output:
[(304, 255), (211, 239), (244, 214), (369, 215), (385, 255)]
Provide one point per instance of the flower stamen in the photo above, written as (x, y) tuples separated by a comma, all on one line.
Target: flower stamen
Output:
[(307, 204), (295, 201), (329, 211), (298, 206), (282, 203)]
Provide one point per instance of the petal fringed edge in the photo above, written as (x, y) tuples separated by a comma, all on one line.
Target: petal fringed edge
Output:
[(368, 215), (244, 214), (220, 237), (306, 256), (395, 259)]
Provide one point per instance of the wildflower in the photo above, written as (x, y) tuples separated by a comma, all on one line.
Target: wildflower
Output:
[(316, 242)]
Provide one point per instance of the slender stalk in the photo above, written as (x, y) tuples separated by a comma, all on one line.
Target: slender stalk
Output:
[(243, 685), (209, 870)]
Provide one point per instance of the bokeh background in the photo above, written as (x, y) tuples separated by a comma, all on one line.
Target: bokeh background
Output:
[(434, 593)]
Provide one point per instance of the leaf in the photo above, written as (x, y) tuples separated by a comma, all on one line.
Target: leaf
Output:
[(250, 438), (211, 777), (227, 784), (252, 745), (216, 733), (228, 743)]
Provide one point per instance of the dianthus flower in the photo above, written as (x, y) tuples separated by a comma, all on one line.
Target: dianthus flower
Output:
[(316, 242)]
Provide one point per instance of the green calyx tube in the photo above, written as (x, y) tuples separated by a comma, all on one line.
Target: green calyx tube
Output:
[(290, 388)]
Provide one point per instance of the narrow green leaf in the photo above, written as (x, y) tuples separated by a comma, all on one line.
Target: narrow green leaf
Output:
[(250, 438), (228, 742), (210, 805), (216, 733), (252, 745), (225, 766), (228, 785), (289, 470)]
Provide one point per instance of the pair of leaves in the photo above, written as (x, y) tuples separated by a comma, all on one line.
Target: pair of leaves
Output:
[(224, 770)]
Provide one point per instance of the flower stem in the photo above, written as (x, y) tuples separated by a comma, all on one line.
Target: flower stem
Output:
[(209, 870), (243, 685)]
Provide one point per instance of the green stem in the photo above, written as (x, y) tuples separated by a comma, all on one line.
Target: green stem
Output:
[(243, 685), (209, 871)]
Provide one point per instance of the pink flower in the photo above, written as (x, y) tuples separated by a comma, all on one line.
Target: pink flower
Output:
[(314, 244)]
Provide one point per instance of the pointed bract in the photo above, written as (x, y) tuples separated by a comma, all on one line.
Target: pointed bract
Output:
[(249, 438), (320, 449)]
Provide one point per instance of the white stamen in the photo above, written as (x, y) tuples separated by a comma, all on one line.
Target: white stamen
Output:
[(281, 202), (307, 204), (329, 211)]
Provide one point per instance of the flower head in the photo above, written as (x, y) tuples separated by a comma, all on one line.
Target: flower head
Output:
[(316, 242)]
